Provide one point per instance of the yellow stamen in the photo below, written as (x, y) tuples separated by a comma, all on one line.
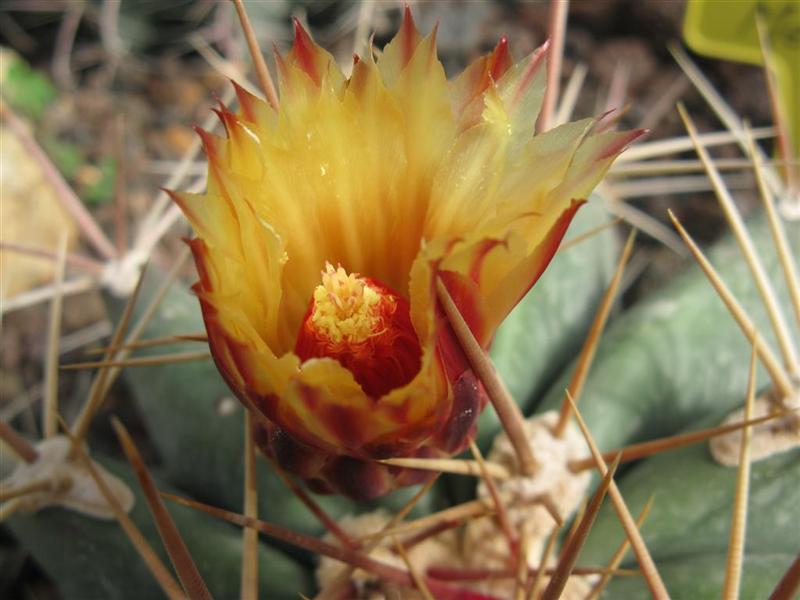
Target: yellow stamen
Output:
[(346, 307)]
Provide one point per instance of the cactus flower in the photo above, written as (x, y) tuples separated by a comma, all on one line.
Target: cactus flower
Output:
[(327, 222)]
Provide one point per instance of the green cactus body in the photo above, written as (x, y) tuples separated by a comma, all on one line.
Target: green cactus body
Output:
[(91, 559)]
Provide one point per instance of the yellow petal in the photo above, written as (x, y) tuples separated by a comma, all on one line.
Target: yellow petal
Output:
[(468, 88), (398, 52), (464, 189)]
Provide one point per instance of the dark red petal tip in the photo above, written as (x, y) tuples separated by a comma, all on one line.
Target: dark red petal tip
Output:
[(408, 35), (300, 34), (206, 137), (408, 17), (303, 49), (500, 59), (619, 144)]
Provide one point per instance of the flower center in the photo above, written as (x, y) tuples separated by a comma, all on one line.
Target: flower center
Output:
[(364, 325), (346, 308)]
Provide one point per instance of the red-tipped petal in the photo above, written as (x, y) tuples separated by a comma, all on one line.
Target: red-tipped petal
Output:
[(226, 117), (408, 36), (307, 63), (500, 59), (619, 143), (469, 400), (212, 144), (248, 103), (200, 253), (468, 89), (305, 52), (536, 61), (283, 70), (182, 200), (466, 293), (523, 278), (400, 51)]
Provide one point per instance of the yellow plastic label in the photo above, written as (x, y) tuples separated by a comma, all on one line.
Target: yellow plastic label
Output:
[(727, 29)]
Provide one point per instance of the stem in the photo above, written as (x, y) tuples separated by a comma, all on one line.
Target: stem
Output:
[(18, 444), (262, 72), (557, 30)]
